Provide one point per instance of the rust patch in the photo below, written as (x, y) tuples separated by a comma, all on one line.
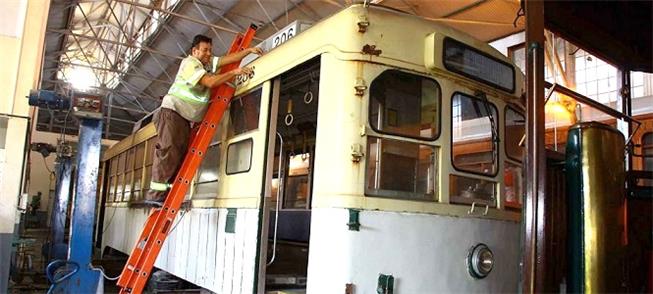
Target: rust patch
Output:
[(371, 50)]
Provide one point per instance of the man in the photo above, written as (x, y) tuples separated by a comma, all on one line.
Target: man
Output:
[(186, 103)]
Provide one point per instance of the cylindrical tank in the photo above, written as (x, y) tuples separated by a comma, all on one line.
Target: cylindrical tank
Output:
[(596, 191)]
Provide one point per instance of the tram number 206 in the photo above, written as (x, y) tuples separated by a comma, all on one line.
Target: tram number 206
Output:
[(283, 36)]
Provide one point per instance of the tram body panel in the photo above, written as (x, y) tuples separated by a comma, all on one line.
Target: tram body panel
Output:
[(198, 249), (424, 253)]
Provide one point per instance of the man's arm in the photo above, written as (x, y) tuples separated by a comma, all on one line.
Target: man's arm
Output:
[(213, 80), (237, 56)]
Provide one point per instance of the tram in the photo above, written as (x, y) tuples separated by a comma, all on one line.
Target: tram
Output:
[(374, 151)]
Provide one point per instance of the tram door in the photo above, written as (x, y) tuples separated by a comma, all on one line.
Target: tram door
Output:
[(290, 177)]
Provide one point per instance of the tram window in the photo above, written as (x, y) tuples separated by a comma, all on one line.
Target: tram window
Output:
[(512, 179), (466, 190), (121, 176), (244, 113), (477, 65), (137, 193), (129, 169), (514, 133), (206, 185), (647, 152), (473, 135), (399, 169), (296, 186), (239, 157), (405, 104), (149, 154), (113, 167)]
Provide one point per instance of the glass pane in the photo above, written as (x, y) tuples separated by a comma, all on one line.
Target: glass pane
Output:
[(464, 190), (208, 171), (512, 178), (112, 189), (239, 157), (147, 178), (140, 155), (206, 190), (138, 178), (405, 104), (128, 180), (515, 131), (244, 112), (296, 193), (114, 166), (119, 187), (474, 146), (150, 150), (121, 162), (400, 169), (477, 65)]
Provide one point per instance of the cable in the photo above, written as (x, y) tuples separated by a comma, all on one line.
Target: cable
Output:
[(47, 167), (65, 125), (58, 264), (180, 219), (101, 270), (110, 220)]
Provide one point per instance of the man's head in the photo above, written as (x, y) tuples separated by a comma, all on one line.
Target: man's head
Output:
[(202, 49)]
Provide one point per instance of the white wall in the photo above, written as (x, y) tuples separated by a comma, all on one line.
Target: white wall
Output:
[(39, 179), (21, 42)]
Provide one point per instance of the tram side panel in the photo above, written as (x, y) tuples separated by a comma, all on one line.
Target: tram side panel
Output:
[(198, 250), (424, 252)]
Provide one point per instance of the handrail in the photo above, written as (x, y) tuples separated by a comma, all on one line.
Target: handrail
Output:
[(591, 102), (279, 189)]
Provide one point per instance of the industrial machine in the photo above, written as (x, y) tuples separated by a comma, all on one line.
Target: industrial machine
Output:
[(73, 272)]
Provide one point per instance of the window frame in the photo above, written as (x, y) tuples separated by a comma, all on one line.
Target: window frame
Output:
[(475, 78), (644, 148), (403, 195), (229, 132), (251, 154), (439, 103), (505, 132), (495, 140)]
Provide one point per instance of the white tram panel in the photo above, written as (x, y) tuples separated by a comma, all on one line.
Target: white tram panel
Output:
[(198, 250), (424, 253)]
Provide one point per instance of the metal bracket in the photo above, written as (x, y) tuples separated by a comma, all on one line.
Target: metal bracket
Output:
[(354, 223), (363, 23), (471, 210)]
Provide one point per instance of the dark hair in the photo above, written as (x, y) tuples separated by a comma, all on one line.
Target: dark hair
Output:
[(201, 39)]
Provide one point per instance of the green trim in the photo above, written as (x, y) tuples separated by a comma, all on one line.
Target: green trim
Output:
[(385, 284), (232, 215), (354, 223)]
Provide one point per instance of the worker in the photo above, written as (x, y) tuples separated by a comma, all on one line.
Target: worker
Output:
[(186, 102)]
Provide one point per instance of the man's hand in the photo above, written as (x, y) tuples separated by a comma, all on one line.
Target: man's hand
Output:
[(255, 50), (243, 71)]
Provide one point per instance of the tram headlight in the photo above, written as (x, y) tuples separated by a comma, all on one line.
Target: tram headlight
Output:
[(480, 261)]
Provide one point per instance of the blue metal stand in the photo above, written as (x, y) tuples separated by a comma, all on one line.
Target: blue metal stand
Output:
[(77, 276), (58, 248)]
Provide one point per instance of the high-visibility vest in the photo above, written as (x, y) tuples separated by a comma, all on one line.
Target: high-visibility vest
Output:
[(186, 86)]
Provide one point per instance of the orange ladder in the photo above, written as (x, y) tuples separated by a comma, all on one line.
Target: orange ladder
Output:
[(139, 265)]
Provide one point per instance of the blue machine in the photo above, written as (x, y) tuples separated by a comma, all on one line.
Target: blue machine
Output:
[(75, 274), (48, 99), (58, 248)]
